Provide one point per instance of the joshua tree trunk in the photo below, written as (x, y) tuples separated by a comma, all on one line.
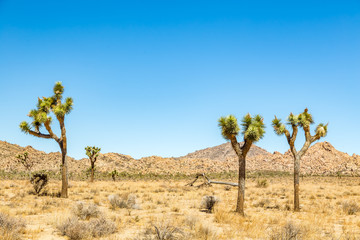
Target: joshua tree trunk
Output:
[(64, 174), (241, 186), (241, 153), (92, 172), (296, 183)]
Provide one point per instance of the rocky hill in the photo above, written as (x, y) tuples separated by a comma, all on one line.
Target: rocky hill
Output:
[(321, 159), (223, 151)]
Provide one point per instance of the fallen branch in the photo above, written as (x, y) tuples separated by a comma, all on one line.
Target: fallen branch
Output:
[(208, 182)]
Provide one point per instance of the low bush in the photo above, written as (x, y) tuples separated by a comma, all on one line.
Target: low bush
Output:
[(126, 201), (162, 231), (77, 230), (11, 228), (350, 207), (39, 182), (262, 183), (289, 231), (85, 212), (208, 203)]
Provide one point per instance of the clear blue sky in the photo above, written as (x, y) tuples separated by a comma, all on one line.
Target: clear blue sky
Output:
[(153, 77)]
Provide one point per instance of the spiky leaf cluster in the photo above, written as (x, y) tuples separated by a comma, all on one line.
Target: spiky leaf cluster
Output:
[(278, 126), (92, 152), (321, 130), (45, 106), (229, 126), (293, 120), (253, 128), (305, 119)]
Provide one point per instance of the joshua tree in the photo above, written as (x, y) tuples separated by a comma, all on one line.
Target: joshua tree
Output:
[(302, 120), (113, 174), (253, 129), (41, 117), (92, 153), (25, 161)]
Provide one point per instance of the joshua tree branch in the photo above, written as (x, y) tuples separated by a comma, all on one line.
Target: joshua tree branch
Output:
[(246, 147), (294, 134), (51, 133), (38, 134), (236, 145)]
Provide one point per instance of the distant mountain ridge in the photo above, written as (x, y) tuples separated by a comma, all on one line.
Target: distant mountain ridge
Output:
[(224, 151), (321, 159)]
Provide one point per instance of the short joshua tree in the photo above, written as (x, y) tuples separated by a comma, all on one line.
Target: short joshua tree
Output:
[(114, 174), (92, 153), (26, 162), (41, 118), (302, 120), (253, 129)]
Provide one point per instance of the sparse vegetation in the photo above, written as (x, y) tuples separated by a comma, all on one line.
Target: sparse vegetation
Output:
[(76, 229), (289, 231), (10, 227), (262, 183), (171, 203), (162, 231), (350, 207)]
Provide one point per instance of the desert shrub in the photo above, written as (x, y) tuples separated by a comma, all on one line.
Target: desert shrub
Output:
[(191, 221), (162, 231), (77, 230), (73, 229), (101, 227), (262, 183), (124, 201), (39, 181), (86, 211), (350, 207), (208, 203), (205, 231), (289, 231), (11, 228)]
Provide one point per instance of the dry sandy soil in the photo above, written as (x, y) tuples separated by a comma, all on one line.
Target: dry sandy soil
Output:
[(330, 210)]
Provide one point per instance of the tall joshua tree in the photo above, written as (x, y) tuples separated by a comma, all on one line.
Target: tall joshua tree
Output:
[(302, 120), (92, 153), (253, 129), (41, 118)]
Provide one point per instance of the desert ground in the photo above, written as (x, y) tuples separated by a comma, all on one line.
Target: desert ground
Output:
[(167, 209)]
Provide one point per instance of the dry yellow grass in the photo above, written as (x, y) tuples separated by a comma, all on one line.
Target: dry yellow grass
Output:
[(171, 207)]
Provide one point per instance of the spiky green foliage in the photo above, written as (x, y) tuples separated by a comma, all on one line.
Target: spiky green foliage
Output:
[(46, 105), (278, 126), (92, 152), (229, 126), (293, 120), (321, 130), (24, 126), (305, 119), (253, 128)]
